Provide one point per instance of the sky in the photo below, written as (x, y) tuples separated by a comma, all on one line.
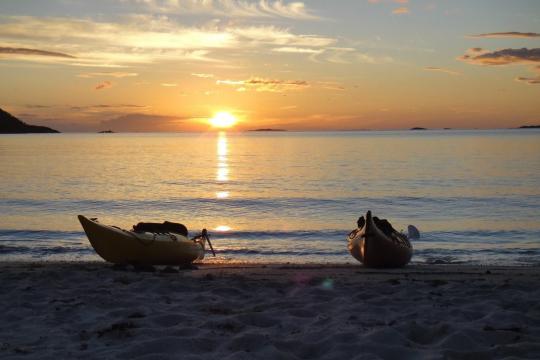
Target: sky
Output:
[(171, 65)]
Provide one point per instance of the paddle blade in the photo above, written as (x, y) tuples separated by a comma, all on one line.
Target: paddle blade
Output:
[(413, 232)]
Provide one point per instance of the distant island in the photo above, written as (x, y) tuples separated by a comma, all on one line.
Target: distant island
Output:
[(9, 124), (106, 132), (529, 127), (268, 130), (418, 128)]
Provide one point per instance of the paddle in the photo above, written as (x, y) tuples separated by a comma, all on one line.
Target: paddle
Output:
[(413, 232), (205, 234)]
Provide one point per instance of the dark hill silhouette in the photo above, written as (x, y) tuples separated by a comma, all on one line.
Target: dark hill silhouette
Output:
[(9, 124)]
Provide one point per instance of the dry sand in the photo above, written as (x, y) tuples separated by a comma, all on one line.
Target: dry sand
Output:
[(93, 311)]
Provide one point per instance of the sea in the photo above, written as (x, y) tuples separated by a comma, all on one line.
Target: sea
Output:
[(277, 197)]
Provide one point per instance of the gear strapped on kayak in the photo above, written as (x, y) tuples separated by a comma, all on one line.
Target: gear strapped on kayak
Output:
[(164, 243), (165, 227)]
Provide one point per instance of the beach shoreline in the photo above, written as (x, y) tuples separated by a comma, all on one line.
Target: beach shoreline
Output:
[(268, 311)]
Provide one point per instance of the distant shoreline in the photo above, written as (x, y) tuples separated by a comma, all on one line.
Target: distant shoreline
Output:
[(9, 124), (448, 130)]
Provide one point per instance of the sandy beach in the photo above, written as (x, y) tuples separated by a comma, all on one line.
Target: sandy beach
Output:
[(93, 310)]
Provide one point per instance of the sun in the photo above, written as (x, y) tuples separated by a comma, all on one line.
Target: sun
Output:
[(223, 120)]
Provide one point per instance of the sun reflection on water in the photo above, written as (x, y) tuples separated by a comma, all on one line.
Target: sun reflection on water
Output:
[(222, 228), (222, 172), (222, 194), (222, 165)]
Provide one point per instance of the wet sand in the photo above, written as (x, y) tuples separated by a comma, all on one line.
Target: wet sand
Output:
[(93, 310)]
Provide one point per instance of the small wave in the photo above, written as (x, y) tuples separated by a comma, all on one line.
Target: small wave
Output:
[(39, 234), (7, 249), (443, 260), (304, 204), (265, 235), (45, 250)]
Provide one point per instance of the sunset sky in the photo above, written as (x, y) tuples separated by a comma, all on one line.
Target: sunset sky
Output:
[(171, 65)]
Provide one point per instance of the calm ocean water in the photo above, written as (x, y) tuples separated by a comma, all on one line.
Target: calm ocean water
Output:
[(278, 197)]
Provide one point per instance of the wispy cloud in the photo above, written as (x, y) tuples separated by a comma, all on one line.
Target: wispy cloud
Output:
[(230, 82), (103, 85), (99, 108), (443, 70), (232, 8), (508, 34), (265, 85), (273, 35), (388, 1), (203, 75), (37, 106), (33, 52), (140, 39), (372, 59), (108, 74), (330, 85), (531, 80), (169, 84), (338, 55), (298, 50)]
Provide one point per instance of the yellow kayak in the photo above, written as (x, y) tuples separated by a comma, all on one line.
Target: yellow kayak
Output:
[(121, 246)]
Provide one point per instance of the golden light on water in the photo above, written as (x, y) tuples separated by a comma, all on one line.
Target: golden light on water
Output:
[(223, 120), (222, 172)]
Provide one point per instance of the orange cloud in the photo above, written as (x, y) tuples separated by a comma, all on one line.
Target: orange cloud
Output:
[(104, 85), (524, 56), (401, 11)]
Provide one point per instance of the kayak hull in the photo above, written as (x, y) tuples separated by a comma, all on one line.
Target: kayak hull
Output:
[(120, 246), (373, 248)]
